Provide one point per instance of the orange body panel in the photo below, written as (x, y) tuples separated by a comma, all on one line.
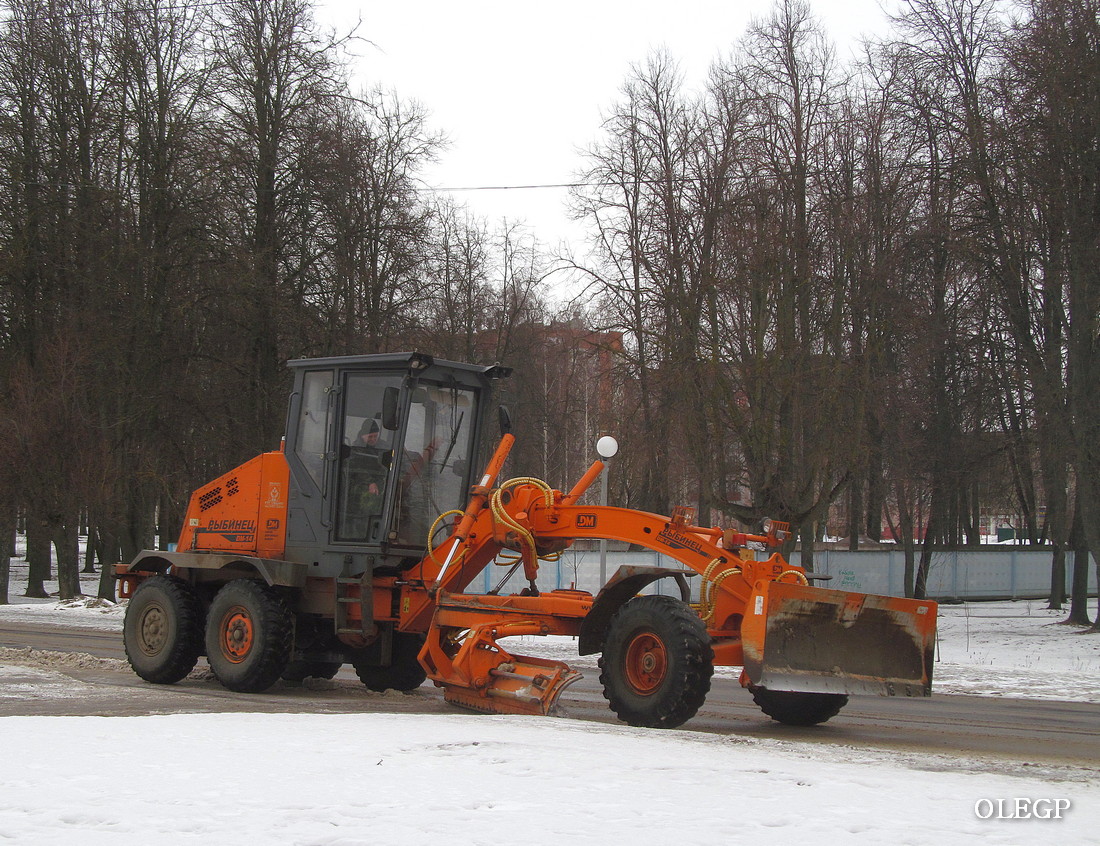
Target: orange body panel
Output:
[(243, 511)]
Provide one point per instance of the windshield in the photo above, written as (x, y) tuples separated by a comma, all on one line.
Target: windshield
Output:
[(435, 459)]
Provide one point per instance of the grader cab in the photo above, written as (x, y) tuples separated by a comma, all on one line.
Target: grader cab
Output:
[(359, 540)]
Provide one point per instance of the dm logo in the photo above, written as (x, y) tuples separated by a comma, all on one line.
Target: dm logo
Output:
[(586, 521)]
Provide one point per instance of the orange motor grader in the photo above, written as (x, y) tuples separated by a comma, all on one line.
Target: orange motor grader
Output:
[(358, 541)]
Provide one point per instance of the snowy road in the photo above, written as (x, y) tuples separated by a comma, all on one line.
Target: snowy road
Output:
[(1016, 730)]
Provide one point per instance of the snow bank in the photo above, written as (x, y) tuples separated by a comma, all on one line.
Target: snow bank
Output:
[(467, 779)]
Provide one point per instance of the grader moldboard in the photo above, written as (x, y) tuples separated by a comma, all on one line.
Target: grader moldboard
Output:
[(356, 541)]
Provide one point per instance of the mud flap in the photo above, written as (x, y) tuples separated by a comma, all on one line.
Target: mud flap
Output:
[(801, 638)]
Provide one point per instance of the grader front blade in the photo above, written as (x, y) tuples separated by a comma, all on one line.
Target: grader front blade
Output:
[(801, 638)]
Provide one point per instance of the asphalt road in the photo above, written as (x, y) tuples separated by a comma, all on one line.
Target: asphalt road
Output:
[(1036, 731)]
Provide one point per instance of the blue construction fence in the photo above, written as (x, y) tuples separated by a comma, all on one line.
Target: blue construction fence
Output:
[(1003, 572)]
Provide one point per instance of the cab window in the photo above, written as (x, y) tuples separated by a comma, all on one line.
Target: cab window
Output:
[(434, 460), (365, 457)]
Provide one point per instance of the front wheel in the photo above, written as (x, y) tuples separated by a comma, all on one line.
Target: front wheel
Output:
[(162, 630), (657, 662), (249, 635), (795, 708)]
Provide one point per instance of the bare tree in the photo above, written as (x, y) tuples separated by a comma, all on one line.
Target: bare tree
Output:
[(55, 83), (1026, 128), (784, 299), (275, 72), (638, 206), (1058, 64), (363, 222)]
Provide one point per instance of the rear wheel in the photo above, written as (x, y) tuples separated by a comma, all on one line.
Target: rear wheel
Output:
[(794, 708), (657, 662), (249, 634), (404, 672), (297, 671), (162, 630)]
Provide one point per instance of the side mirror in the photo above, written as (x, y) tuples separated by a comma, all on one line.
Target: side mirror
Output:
[(389, 409), (505, 419)]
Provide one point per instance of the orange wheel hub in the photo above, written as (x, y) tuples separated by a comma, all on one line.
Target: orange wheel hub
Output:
[(237, 634), (646, 663)]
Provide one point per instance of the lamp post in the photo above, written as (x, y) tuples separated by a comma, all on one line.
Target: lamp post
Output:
[(606, 447)]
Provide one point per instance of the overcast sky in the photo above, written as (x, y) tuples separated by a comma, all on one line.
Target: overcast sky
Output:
[(519, 87)]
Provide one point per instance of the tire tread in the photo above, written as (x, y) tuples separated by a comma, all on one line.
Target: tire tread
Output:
[(691, 662), (404, 672), (274, 637), (183, 653), (797, 708)]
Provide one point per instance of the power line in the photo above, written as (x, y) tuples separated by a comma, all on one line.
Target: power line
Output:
[(531, 187), (559, 185)]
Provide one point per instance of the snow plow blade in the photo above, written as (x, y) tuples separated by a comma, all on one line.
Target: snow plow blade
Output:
[(520, 685), (807, 639), (476, 672)]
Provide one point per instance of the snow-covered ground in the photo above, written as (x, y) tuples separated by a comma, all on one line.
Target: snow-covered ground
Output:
[(471, 779)]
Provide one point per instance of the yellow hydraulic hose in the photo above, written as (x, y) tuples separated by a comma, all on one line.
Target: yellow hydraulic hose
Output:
[(708, 595)]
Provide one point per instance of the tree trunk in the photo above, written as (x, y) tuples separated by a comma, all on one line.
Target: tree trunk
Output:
[(1089, 506), (855, 514), (169, 520), (973, 527), (39, 565), (806, 538), (875, 495), (1079, 588), (903, 532), (931, 532), (89, 550), (67, 543), (1054, 471), (1057, 578), (106, 588), (932, 535), (7, 550), (920, 583), (107, 549), (1079, 591), (1087, 465)]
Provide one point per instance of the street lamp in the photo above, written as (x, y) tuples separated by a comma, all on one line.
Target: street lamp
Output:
[(606, 447)]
